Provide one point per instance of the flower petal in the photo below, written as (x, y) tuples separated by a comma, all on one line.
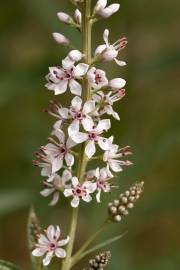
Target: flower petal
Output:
[(106, 37), (80, 70), (63, 242), (38, 252), (75, 202), (79, 137), (69, 159), (47, 259), (75, 87), (50, 232), (90, 149), (73, 127), (76, 103), (60, 253)]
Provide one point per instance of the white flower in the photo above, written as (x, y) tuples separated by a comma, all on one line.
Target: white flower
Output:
[(97, 78), (102, 177), (80, 191), (55, 185), (78, 113), (109, 52), (114, 155), (106, 102), (78, 16), (64, 17), (93, 136), (58, 151), (49, 245), (60, 78), (61, 39), (103, 11)]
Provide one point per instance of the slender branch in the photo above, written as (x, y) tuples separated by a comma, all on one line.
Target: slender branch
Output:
[(79, 253)]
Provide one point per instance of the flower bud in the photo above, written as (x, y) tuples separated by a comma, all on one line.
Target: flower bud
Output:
[(75, 55), (78, 16), (64, 17), (120, 207), (100, 261), (103, 11), (61, 39), (117, 83)]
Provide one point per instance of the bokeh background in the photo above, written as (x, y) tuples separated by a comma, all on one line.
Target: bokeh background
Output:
[(149, 123)]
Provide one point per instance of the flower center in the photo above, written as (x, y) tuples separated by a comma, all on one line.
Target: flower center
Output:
[(92, 136), (63, 149), (79, 191), (52, 246), (98, 79)]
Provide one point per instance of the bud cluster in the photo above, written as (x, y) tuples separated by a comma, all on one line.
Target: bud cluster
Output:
[(119, 207), (100, 261)]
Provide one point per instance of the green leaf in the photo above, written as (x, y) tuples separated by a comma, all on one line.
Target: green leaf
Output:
[(103, 244), (33, 230), (8, 266)]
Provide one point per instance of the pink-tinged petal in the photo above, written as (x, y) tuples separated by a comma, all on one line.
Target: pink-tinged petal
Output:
[(68, 192), (60, 253), (63, 242), (38, 252), (61, 87), (75, 87), (90, 149), (120, 63), (76, 103), (69, 159), (50, 232), (98, 196), (70, 143), (100, 49), (87, 198), (75, 55), (87, 124), (106, 37), (57, 124), (75, 202), (48, 258), (79, 137), (42, 240), (104, 144), (59, 134), (57, 164), (115, 166), (67, 63), (50, 149), (80, 70), (75, 181), (46, 192), (117, 83), (101, 4), (89, 106), (91, 187), (46, 171), (114, 7), (61, 39), (55, 199), (64, 113), (66, 176), (57, 232), (73, 127), (103, 125)]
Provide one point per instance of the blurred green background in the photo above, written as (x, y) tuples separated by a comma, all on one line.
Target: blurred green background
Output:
[(149, 123)]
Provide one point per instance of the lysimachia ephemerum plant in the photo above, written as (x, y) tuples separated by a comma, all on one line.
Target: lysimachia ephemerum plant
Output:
[(79, 130)]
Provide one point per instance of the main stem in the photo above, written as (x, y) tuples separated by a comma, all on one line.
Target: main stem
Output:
[(82, 162)]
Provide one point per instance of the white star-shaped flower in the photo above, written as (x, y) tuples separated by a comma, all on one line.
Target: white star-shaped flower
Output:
[(93, 137), (49, 245), (80, 191), (59, 79)]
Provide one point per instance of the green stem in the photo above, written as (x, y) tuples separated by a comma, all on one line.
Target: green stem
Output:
[(78, 255), (82, 161)]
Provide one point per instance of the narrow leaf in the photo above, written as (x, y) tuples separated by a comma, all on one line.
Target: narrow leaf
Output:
[(8, 266), (102, 244)]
